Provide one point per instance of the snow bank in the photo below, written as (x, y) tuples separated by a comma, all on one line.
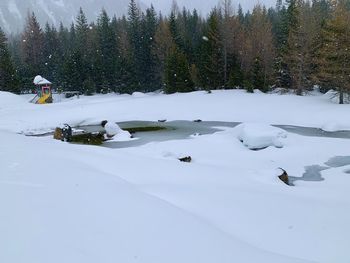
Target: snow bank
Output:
[(8, 99), (137, 94), (333, 127), (333, 96), (75, 207), (259, 136)]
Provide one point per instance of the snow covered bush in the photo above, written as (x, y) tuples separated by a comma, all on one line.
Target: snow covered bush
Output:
[(259, 136), (114, 131)]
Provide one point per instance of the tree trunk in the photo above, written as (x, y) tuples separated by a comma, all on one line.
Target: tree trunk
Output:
[(341, 96), (225, 64)]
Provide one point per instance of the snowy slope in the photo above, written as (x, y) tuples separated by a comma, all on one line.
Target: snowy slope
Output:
[(14, 12), (72, 211), (71, 203)]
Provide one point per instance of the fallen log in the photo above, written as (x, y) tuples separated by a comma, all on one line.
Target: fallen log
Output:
[(88, 138)]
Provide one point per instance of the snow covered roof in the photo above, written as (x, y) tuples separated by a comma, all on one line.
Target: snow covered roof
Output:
[(39, 80)]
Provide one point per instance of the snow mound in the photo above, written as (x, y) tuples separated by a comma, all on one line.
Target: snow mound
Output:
[(332, 127), (259, 136), (122, 136), (333, 96), (137, 94), (113, 130)]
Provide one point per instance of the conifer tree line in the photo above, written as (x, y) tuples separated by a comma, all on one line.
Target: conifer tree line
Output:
[(294, 46)]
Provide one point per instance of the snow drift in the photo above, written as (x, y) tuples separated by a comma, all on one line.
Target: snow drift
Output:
[(257, 136)]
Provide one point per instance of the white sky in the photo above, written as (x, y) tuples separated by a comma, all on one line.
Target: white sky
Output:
[(204, 6)]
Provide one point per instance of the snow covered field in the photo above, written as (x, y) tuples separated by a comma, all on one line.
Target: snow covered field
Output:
[(72, 203)]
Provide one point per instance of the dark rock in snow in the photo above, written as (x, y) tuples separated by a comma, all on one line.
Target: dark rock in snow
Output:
[(284, 177), (186, 159), (58, 135), (103, 123)]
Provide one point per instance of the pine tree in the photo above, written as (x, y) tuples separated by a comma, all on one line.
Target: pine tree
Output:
[(32, 50), (76, 64), (261, 49), (80, 47), (71, 70), (175, 32), (107, 51), (150, 78), (8, 76), (125, 71), (240, 14), (186, 30), (164, 44), (81, 30), (225, 27), (212, 64), (287, 21), (136, 53), (258, 76), (334, 55), (177, 73), (51, 55), (300, 46), (236, 78), (320, 13)]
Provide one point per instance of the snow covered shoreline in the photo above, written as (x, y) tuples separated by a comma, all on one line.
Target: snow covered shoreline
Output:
[(17, 115), (73, 203)]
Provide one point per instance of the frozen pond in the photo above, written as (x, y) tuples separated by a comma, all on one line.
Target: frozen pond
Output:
[(313, 172), (177, 130), (174, 130), (338, 161), (315, 132)]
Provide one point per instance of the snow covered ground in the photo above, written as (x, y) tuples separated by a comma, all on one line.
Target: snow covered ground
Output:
[(233, 105), (72, 203)]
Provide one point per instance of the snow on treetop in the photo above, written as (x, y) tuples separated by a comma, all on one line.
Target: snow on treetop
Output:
[(39, 80)]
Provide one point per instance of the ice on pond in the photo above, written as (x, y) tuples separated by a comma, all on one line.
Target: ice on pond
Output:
[(313, 172), (338, 161)]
